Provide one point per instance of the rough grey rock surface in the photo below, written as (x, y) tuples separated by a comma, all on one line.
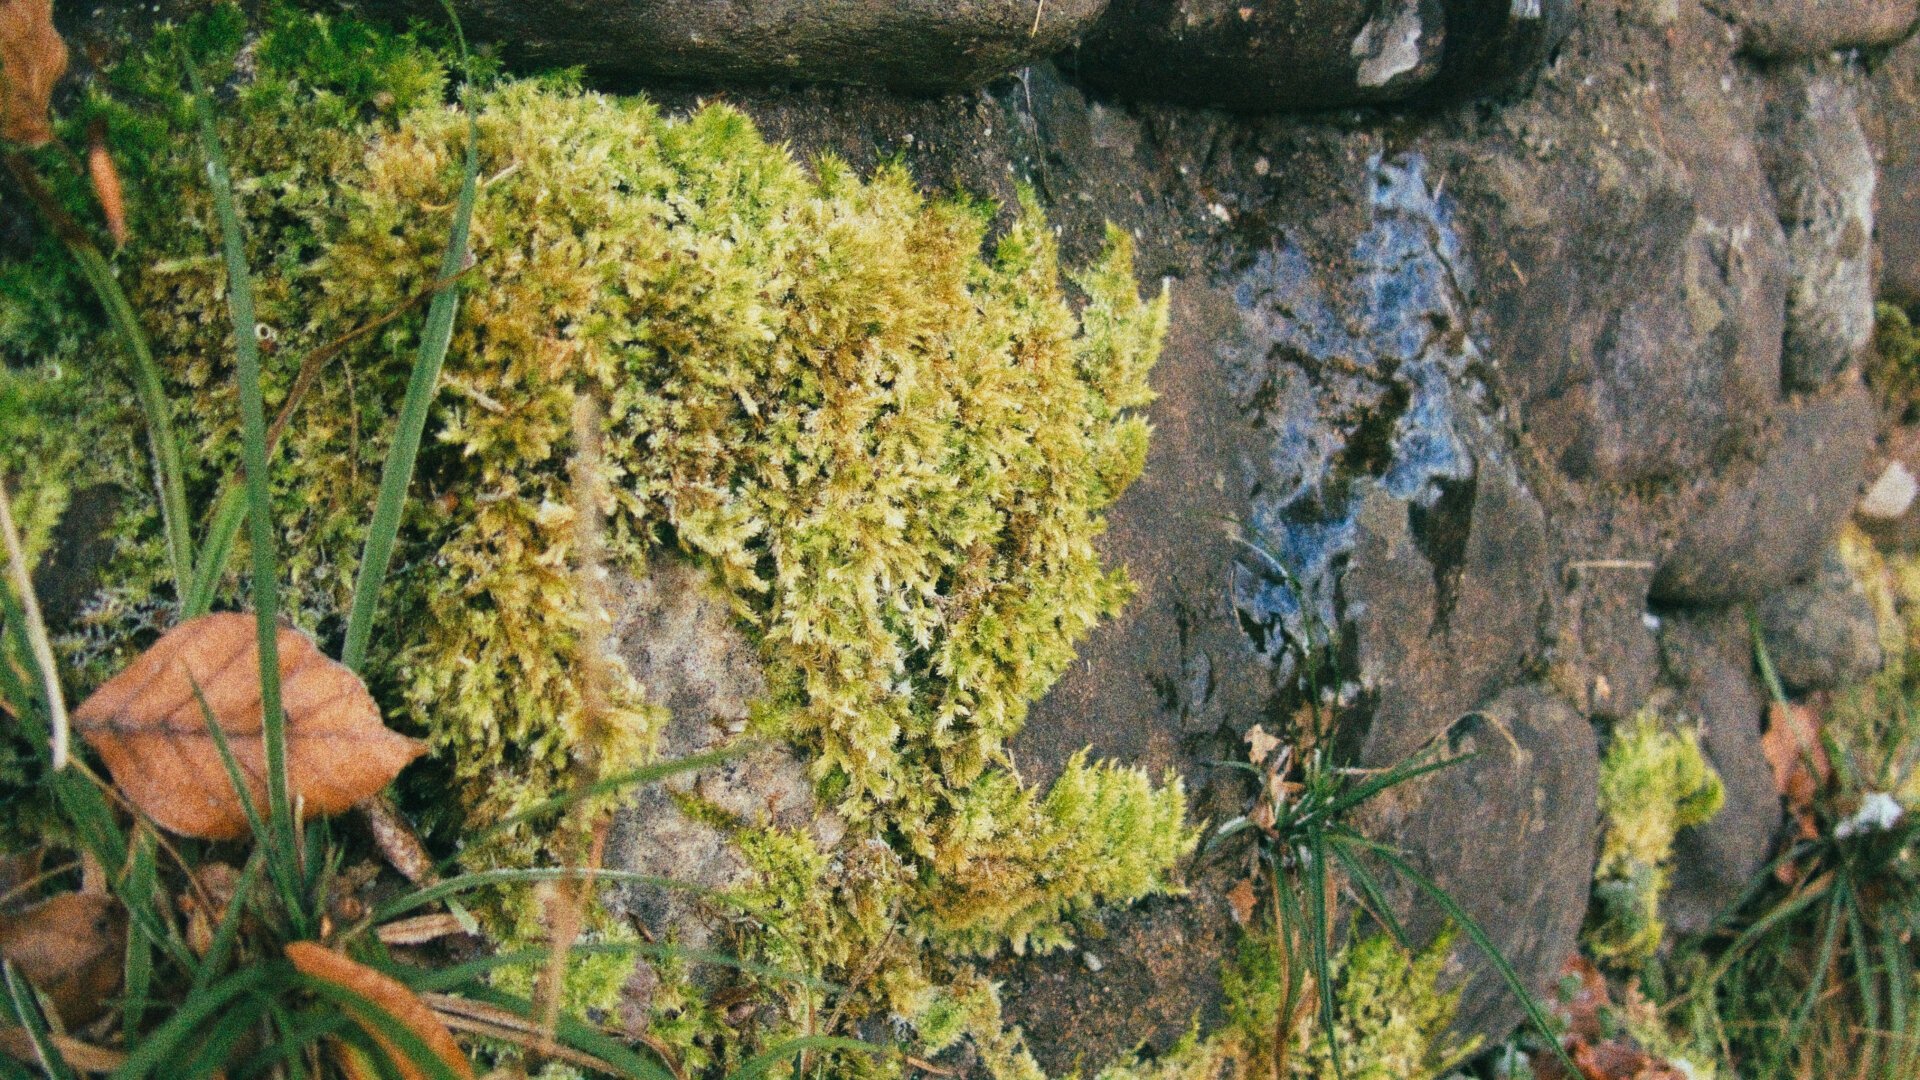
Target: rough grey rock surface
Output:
[(923, 46), (1891, 113), (1823, 178), (1709, 656), (1529, 801), (1821, 633)]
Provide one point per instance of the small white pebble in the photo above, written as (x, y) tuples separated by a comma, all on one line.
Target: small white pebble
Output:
[(1649, 620), (1878, 812), (1891, 495), (1094, 963), (1261, 166), (1219, 211)]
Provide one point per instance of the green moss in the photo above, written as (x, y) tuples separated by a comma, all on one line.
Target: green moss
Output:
[(887, 423), (1392, 1019), (1654, 781), (1895, 366)]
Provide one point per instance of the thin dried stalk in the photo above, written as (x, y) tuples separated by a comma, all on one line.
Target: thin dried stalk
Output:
[(567, 902), (36, 628)]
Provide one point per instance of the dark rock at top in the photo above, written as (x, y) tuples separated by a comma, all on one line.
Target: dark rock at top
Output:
[(923, 46), (1283, 55)]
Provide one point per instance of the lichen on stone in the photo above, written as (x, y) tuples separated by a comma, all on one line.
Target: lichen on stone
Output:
[(1654, 781), (886, 425)]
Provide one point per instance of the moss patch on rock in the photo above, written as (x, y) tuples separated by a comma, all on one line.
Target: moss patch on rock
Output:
[(887, 424), (1654, 781)]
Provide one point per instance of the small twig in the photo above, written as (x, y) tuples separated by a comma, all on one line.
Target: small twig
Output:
[(420, 929), (35, 881), (928, 1067), (1038, 10), (1611, 564), (35, 628), (16, 1043)]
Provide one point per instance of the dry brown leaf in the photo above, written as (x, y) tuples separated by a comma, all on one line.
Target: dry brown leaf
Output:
[(1241, 901), (397, 842), (1799, 760), (389, 996), (106, 182), (32, 59), (148, 727), (1259, 744), (72, 948), (1596, 1057)]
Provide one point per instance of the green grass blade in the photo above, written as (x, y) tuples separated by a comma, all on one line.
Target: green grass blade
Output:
[(1535, 1013), (638, 777), (396, 474), (1369, 888), (229, 929), (1316, 875), (762, 1063), (20, 998), (296, 1033), (1866, 972), (137, 892), (229, 514), (35, 630), (1393, 777), (483, 878), (265, 592), (1829, 943), (209, 1058), (169, 474), (178, 1030), (448, 979)]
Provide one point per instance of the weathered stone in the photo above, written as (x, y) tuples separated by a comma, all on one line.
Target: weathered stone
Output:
[(1821, 633), (678, 636), (1275, 55), (1823, 177), (1802, 487), (922, 46), (1797, 28), (1710, 658), (1510, 834), (1891, 116), (1605, 638)]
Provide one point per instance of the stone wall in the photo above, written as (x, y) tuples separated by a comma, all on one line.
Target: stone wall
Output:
[(1515, 341), (1520, 341)]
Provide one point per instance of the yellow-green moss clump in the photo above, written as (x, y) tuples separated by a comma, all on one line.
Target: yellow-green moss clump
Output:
[(1654, 781), (892, 450), (1391, 1020)]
